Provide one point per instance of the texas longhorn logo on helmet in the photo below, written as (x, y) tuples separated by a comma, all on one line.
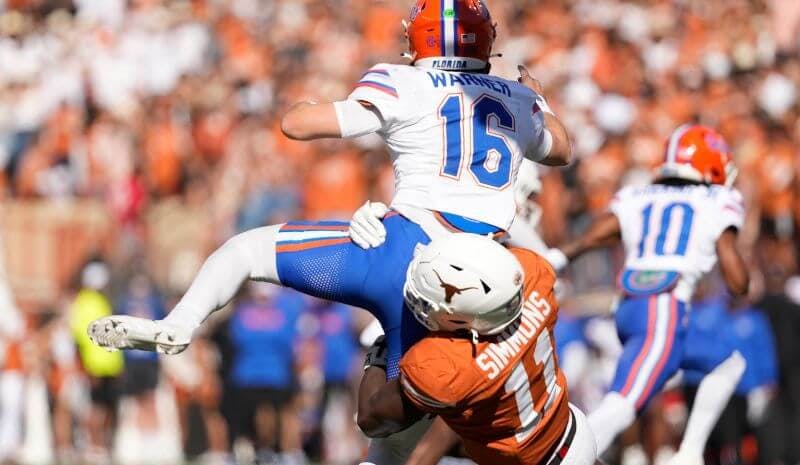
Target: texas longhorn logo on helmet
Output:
[(450, 290)]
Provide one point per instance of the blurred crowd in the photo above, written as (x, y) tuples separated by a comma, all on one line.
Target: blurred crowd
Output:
[(164, 116)]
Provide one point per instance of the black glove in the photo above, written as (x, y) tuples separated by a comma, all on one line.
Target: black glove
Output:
[(376, 355)]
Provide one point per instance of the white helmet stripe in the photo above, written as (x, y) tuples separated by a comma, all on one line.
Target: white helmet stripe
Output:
[(672, 148), (449, 27)]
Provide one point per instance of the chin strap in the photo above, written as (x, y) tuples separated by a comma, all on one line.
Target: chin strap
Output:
[(474, 334)]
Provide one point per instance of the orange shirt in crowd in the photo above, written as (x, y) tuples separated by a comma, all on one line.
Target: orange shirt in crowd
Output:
[(778, 177), (335, 186), (162, 158)]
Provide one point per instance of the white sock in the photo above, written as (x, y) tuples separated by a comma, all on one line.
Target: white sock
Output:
[(249, 255), (712, 396), (614, 414)]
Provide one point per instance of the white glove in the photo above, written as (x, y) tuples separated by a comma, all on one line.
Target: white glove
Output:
[(556, 258), (366, 227)]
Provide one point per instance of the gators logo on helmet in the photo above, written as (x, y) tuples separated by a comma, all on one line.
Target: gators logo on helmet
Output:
[(700, 154)]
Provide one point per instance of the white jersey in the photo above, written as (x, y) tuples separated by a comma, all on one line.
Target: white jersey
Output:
[(456, 139), (675, 228)]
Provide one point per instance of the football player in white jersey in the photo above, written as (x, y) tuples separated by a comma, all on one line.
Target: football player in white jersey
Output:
[(674, 231), (456, 136)]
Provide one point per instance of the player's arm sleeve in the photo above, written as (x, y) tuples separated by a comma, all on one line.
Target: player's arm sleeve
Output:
[(356, 119), (429, 380), (542, 139), (379, 89), (616, 205), (730, 206)]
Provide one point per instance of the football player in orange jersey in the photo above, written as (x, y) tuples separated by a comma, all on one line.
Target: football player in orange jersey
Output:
[(488, 368)]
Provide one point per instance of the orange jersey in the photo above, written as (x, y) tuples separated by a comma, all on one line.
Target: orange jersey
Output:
[(506, 396)]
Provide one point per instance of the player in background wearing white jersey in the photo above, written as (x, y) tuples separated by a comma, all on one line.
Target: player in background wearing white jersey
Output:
[(673, 231), (456, 136)]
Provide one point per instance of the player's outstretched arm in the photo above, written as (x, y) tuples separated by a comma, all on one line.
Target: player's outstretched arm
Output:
[(311, 120), (734, 270), (347, 118), (559, 152), (603, 232)]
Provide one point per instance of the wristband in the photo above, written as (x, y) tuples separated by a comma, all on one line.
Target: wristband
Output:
[(542, 103)]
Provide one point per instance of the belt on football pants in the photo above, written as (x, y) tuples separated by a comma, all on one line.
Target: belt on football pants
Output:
[(559, 451)]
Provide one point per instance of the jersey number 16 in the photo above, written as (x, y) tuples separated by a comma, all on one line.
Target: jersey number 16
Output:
[(490, 157)]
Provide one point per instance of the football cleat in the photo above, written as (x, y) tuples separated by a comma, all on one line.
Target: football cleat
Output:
[(128, 332)]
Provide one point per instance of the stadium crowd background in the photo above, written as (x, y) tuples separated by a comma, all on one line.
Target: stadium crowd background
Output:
[(135, 136)]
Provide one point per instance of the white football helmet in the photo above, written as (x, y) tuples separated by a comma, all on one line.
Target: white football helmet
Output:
[(465, 282), (528, 183)]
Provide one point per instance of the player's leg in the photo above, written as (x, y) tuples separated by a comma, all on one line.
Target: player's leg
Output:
[(249, 255), (315, 258), (725, 368), (581, 448), (371, 279), (652, 335)]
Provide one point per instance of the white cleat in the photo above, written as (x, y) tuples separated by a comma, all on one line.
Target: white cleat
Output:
[(129, 332), (684, 458)]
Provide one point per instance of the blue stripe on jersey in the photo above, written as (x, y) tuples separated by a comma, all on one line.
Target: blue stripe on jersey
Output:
[(468, 225), (315, 225), (379, 86), (376, 71)]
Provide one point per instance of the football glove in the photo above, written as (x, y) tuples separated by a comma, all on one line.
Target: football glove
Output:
[(366, 228), (376, 355)]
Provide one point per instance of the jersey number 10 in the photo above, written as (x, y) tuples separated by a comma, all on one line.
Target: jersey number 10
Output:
[(491, 157), (666, 221)]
